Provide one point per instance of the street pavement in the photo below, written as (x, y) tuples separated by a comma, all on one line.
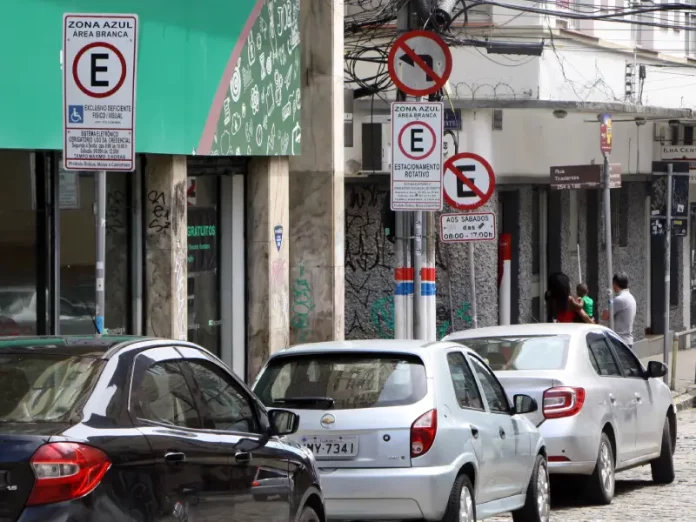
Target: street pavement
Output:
[(637, 498)]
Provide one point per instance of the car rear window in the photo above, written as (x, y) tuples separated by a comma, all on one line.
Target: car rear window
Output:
[(539, 352), (44, 387), (345, 380)]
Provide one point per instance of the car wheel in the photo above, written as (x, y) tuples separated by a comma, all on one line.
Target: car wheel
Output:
[(461, 506), (308, 515), (537, 505), (663, 466), (601, 483)]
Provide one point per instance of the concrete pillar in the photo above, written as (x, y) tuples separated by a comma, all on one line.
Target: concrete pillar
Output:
[(165, 247), (316, 192), (268, 265)]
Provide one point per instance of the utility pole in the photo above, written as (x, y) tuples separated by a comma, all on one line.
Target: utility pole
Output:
[(415, 262)]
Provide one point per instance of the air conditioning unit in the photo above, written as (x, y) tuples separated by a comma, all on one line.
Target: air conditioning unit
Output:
[(376, 146)]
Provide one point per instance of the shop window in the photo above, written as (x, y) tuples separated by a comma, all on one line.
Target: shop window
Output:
[(78, 252), (18, 251)]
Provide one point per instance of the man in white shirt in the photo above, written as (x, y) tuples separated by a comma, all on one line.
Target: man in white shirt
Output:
[(624, 309)]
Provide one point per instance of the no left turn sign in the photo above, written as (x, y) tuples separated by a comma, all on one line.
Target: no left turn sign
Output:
[(469, 181), (420, 63)]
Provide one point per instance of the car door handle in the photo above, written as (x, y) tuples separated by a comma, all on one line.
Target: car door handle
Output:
[(501, 431), (475, 431), (175, 457), (242, 457), (612, 398), (638, 397)]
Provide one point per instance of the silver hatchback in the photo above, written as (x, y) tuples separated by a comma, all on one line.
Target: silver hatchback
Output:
[(404, 429)]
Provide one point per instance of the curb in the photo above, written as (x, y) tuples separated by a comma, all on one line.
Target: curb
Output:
[(685, 400)]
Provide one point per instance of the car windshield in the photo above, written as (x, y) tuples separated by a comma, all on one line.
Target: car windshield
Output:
[(509, 353), (44, 387), (342, 381)]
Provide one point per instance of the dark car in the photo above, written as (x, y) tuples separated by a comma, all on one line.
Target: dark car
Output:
[(131, 429)]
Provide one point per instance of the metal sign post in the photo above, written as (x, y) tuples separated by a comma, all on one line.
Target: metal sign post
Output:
[(99, 84), (605, 145), (469, 182), (668, 254), (100, 219), (472, 283)]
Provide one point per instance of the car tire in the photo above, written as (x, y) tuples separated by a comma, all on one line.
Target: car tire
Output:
[(461, 506), (308, 515), (537, 505), (663, 466), (601, 484)]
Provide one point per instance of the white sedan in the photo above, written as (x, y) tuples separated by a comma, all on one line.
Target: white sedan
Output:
[(601, 410)]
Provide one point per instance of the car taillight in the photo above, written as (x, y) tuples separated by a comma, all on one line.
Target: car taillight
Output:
[(66, 471), (563, 401), (423, 432)]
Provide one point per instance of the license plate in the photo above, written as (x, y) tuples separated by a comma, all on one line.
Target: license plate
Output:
[(331, 446)]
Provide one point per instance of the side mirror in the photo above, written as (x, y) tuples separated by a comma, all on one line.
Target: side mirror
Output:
[(283, 422), (525, 404), (656, 369)]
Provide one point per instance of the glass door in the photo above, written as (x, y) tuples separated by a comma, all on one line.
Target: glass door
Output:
[(203, 216)]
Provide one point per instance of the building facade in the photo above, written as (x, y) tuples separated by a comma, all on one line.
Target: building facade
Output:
[(206, 238), (525, 114)]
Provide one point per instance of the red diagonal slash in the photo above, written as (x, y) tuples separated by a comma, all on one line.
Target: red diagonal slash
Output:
[(420, 62), (466, 181)]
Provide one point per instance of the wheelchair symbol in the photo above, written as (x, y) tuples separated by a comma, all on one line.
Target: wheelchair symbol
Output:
[(76, 113)]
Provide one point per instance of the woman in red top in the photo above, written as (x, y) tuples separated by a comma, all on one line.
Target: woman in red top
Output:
[(561, 305)]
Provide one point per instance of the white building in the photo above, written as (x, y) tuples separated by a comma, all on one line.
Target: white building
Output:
[(526, 114)]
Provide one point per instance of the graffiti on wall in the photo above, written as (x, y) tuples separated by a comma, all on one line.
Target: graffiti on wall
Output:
[(369, 271), (302, 307)]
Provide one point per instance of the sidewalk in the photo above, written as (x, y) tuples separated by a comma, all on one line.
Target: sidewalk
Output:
[(685, 393)]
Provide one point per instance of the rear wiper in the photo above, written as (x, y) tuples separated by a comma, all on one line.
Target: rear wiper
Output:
[(326, 402)]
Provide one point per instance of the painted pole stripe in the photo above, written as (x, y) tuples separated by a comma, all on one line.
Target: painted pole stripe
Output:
[(428, 289), (427, 274), (404, 288), (403, 274)]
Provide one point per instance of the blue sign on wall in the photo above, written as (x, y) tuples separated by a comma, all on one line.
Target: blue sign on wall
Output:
[(453, 119)]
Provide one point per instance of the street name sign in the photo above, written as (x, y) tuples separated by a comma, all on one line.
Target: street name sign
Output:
[(99, 80), (469, 181), (571, 177), (416, 167), (420, 63), (461, 228)]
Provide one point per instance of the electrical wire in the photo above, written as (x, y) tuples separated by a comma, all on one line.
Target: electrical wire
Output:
[(370, 32)]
